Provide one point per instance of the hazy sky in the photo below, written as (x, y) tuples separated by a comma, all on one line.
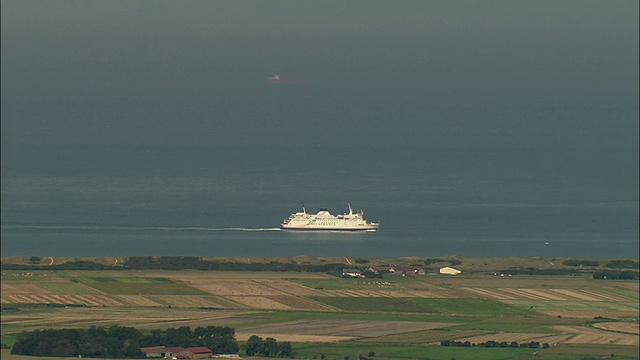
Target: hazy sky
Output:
[(166, 72)]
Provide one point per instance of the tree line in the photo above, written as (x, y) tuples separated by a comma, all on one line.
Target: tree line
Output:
[(178, 263), (581, 262), (491, 343), (623, 264), (121, 342), (268, 347), (616, 275), (612, 264)]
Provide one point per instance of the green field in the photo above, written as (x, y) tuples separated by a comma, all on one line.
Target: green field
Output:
[(474, 307), (385, 305), (389, 282), (551, 305), (139, 285), (283, 316), (68, 288), (581, 352), (427, 337), (389, 351), (450, 307)]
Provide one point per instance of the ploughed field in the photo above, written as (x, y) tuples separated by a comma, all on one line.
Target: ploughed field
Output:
[(414, 311)]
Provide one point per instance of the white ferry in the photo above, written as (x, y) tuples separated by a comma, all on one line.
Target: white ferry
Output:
[(324, 221)]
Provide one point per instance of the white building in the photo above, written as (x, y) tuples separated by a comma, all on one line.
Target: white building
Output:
[(352, 272), (449, 271)]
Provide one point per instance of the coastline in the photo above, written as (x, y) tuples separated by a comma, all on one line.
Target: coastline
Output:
[(465, 263)]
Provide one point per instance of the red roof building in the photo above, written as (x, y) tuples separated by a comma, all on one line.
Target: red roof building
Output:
[(153, 351), (197, 353), (171, 352), (162, 352)]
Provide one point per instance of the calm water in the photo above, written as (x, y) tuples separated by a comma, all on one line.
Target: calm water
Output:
[(228, 201), (462, 131)]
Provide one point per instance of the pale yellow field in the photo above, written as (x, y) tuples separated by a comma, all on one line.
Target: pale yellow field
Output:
[(588, 335), (543, 294), (570, 335), (630, 328)]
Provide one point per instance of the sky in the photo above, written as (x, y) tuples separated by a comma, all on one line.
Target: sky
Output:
[(385, 73)]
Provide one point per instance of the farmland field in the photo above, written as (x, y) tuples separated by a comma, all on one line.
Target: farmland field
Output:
[(397, 317), (139, 285)]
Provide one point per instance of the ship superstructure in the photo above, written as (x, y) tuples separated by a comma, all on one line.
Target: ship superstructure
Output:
[(325, 221)]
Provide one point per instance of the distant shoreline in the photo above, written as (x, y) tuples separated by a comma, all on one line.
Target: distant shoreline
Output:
[(332, 265)]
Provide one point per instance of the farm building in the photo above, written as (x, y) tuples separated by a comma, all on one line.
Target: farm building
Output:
[(153, 352), (404, 270), (449, 271), (197, 353), (408, 270), (352, 272), (162, 352), (171, 352), (377, 268), (177, 352)]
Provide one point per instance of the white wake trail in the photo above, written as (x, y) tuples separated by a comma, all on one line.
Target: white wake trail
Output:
[(136, 228)]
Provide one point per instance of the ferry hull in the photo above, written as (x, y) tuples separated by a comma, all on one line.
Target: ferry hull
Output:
[(317, 229)]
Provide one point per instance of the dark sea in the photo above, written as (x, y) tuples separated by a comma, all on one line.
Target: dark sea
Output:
[(131, 130), (134, 130), (203, 199)]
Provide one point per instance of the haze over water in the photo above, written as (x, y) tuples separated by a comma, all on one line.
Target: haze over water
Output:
[(481, 129)]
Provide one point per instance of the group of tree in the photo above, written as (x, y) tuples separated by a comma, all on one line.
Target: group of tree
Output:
[(219, 339), (372, 274), (115, 341), (198, 263), (612, 264), (451, 262), (33, 264), (581, 262), (268, 347), (616, 275), (119, 341), (177, 263), (623, 264), (491, 343)]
